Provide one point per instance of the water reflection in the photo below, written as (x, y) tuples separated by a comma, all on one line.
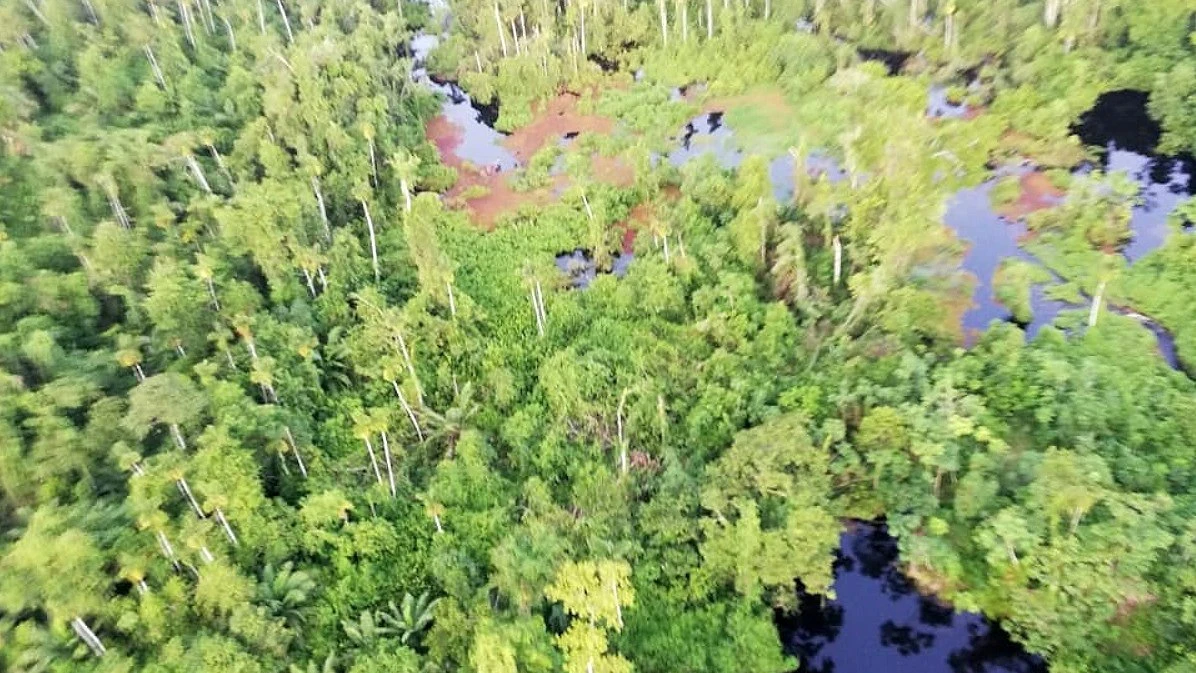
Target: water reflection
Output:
[(880, 624), (580, 268)]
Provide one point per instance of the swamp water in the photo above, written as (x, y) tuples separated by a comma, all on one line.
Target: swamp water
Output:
[(879, 623)]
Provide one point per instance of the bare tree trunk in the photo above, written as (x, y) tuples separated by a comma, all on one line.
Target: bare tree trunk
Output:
[(311, 286), (286, 22), (536, 311), (212, 293), (390, 473), (232, 38), (295, 450), (178, 436), (149, 54), (1051, 11), (323, 278), (185, 16), (584, 51), (315, 185), (197, 173), (540, 300), (186, 491), (1094, 312), (220, 164), (664, 22), (452, 300), (408, 410), (88, 636), (589, 211), (153, 8), (709, 19), (685, 21), (838, 247), (373, 241), (228, 530), (501, 31), (436, 520), (403, 185), (167, 549), (369, 447), (767, 9), (614, 587), (261, 17)]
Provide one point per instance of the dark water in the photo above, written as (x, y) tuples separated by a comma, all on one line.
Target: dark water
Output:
[(939, 106), (991, 239), (480, 143), (1119, 124), (579, 267), (879, 623)]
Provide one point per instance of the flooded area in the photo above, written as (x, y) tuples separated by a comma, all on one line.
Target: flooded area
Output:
[(580, 268), (879, 622)]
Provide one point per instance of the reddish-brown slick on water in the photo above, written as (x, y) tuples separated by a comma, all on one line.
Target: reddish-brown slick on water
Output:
[(558, 117), (555, 118), (1037, 193)]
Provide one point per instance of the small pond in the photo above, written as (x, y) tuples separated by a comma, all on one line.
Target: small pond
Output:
[(879, 623), (580, 268)]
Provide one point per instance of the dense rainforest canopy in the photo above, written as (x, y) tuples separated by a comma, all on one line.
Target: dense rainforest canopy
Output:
[(290, 383)]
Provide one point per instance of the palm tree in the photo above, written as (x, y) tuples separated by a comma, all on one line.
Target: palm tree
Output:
[(411, 618), (284, 591), (366, 629), (329, 665), (449, 425)]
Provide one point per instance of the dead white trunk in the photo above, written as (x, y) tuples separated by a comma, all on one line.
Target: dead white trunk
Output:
[(295, 450), (419, 391), (838, 247), (390, 473), (709, 19), (667, 256), (536, 311), (197, 173), (685, 21), (408, 410), (403, 185), (502, 37), (373, 241), (212, 293), (1094, 312), (228, 530), (477, 59), (452, 300), (1051, 11), (149, 54), (614, 587), (323, 278), (138, 372), (369, 447), (584, 51), (177, 435), (228, 28), (311, 286), (589, 211), (540, 300), (261, 17), (181, 483), (664, 22), (220, 164), (315, 186), (153, 8), (286, 22), (185, 17), (88, 636), (167, 549), (436, 520)]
